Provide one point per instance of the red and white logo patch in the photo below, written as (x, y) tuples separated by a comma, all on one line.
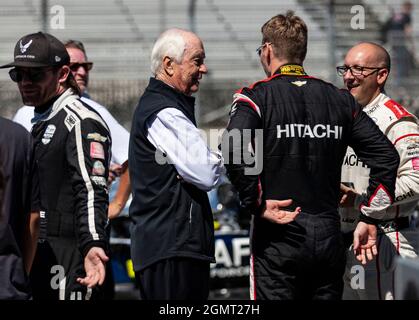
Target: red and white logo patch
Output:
[(415, 163), (397, 109), (96, 151)]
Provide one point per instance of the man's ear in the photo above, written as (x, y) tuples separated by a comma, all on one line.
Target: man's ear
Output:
[(168, 65), (382, 76), (269, 54), (63, 74)]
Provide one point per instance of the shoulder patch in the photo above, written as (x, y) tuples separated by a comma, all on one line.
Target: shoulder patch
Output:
[(69, 121), (78, 107), (398, 110)]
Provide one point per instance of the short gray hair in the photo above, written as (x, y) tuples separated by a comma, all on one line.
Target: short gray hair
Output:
[(170, 43)]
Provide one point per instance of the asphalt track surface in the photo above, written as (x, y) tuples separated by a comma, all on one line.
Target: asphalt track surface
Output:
[(128, 292)]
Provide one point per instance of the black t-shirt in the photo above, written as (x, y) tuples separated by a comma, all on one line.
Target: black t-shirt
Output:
[(20, 197)]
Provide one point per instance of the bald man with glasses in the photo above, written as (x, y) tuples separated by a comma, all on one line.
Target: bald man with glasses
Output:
[(365, 72)]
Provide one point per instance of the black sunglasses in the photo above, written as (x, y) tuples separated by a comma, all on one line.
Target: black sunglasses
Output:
[(32, 74), (76, 65)]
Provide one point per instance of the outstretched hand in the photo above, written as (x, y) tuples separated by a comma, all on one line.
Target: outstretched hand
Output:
[(274, 213), (94, 266), (365, 242)]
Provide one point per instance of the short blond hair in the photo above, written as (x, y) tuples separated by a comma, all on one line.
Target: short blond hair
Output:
[(288, 35)]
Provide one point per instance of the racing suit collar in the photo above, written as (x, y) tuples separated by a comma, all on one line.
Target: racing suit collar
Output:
[(61, 102), (377, 100), (42, 109), (291, 69)]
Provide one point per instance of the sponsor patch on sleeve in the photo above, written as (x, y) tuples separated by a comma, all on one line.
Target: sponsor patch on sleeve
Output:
[(96, 137), (412, 148), (397, 109), (99, 181), (96, 151), (98, 168)]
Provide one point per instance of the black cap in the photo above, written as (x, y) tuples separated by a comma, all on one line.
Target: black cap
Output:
[(39, 50)]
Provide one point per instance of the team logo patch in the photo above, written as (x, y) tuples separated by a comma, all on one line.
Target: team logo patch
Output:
[(99, 181), (96, 151), (98, 168), (24, 47), (380, 198), (97, 137), (70, 121), (397, 109), (48, 134), (415, 163), (299, 83)]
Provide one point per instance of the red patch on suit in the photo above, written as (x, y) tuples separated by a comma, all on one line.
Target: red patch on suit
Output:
[(96, 151), (397, 109)]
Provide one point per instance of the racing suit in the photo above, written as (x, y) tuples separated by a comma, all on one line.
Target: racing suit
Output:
[(395, 236), (306, 125), (72, 152)]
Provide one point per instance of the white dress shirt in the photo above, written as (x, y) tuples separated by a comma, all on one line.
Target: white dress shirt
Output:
[(180, 140)]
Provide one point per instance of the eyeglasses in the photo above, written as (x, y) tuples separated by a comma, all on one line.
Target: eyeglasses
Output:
[(259, 49), (76, 65), (357, 70), (32, 74)]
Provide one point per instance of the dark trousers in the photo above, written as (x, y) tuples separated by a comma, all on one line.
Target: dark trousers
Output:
[(57, 265), (302, 260), (175, 279)]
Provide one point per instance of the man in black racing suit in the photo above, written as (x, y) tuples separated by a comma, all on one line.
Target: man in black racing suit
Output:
[(292, 187), (72, 151)]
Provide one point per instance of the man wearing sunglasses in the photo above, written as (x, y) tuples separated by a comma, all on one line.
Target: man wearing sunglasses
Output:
[(365, 72), (80, 68), (72, 153)]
